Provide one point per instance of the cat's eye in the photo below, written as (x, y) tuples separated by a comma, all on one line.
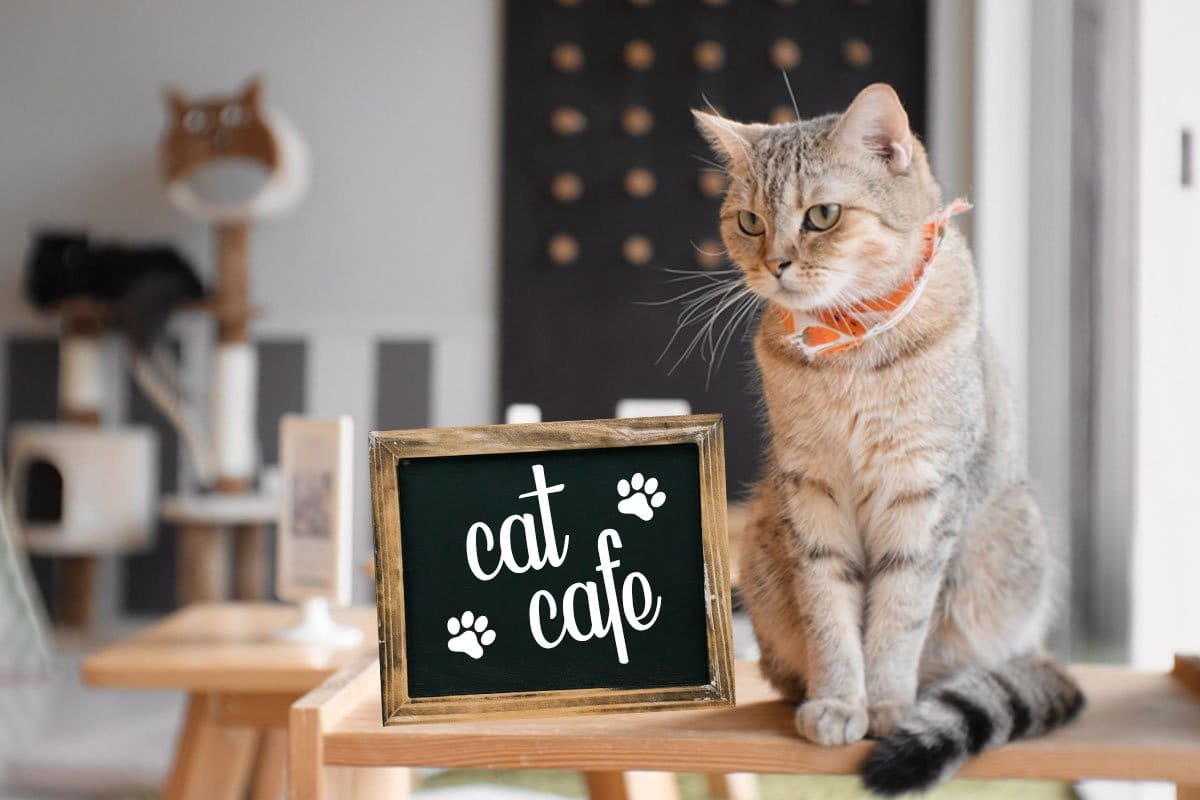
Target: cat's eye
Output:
[(232, 115), (822, 217), (195, 120), (751, 224)]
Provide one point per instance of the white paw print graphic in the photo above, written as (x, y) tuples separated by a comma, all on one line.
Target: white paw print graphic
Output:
[(644, 499), (469, 634)]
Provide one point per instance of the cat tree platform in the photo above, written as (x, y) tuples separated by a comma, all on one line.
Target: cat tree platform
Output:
[(205, 523), (1137, 726)]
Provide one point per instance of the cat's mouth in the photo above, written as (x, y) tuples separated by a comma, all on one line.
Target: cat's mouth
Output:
[(813, 291)]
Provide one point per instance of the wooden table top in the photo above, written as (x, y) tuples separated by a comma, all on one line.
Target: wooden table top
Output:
[(1137, 725), (225, 647)]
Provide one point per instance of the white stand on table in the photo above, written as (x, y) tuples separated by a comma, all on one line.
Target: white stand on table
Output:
[(317, 627)]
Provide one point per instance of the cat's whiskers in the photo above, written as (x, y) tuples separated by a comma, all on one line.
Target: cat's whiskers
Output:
[(720, 252), (693, 306), (714, 166), (791, 94), (719, 287), (703, 336), (711, 308), (703, 307), (749, 305)]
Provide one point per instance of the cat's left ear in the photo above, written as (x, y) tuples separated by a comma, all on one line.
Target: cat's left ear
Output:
[(252, 93), (730, 140), (876, 121), (176, 101)]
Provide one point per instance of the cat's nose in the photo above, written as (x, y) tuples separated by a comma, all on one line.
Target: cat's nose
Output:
[(780, 267)]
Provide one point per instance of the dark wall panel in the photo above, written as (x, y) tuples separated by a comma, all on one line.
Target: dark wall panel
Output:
[(150, 576), (31, 395), (404, 373), (282, 370)]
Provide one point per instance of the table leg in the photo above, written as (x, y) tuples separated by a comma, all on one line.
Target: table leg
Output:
[(250, 562), (270, 774), (632, 786), (201, 564), (733, 785), (368, 783), (212, 761)]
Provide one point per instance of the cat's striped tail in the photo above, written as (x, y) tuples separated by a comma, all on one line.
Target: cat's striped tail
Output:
[(966, 713)]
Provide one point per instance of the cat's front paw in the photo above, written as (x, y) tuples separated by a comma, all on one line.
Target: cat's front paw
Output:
[(884, 716), (831, 722)]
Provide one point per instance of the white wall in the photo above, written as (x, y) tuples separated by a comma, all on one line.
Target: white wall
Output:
[(399, 103), (1003, 47), (1166, 594), (1019, 161)]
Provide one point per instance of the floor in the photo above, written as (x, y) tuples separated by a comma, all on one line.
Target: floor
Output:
[(59, 738)]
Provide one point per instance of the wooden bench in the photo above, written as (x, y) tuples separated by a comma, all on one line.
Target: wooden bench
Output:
[(1138, 726)]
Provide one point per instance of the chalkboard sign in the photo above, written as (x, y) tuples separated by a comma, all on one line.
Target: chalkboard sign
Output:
[(552, 566)]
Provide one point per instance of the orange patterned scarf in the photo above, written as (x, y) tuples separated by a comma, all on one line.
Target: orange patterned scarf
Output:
[(833, 330)]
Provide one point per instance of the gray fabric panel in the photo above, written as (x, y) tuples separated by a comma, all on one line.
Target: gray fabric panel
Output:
[(282, 369), (150, 576), (281, 375), (31, 389), (403, 380), (32, 380)]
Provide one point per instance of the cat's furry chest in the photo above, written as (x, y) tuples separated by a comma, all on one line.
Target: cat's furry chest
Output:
[(859, 426)]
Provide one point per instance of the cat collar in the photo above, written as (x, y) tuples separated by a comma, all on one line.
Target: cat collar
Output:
[(832, 330)]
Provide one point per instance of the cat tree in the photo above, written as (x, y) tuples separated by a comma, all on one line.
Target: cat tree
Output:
[(242, 138), (66, 505)]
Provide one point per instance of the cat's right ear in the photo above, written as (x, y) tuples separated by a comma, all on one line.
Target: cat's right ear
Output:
[(731, 141), (876, 122), (176, 102)]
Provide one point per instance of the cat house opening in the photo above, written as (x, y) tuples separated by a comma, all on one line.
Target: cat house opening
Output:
[(42, 493)]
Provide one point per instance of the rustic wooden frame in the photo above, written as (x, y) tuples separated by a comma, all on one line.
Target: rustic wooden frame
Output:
[(706, 431)]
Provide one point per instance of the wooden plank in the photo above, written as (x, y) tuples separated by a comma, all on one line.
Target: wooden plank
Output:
[(1187, 671), (632, 786), (270, 773), (1138, 726), (259, 710), (313, 715), (369, 783), (212, 761), (189, 735), (225, 647), (733, 786)]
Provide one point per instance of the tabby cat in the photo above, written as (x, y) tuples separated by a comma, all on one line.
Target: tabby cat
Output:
[(897, 570)]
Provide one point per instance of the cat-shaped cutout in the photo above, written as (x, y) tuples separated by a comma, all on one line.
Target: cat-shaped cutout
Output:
[(201, 130), (231, 158), (216, 127)]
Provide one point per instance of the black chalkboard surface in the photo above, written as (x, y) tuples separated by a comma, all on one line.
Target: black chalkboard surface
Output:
[(575, 565)]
